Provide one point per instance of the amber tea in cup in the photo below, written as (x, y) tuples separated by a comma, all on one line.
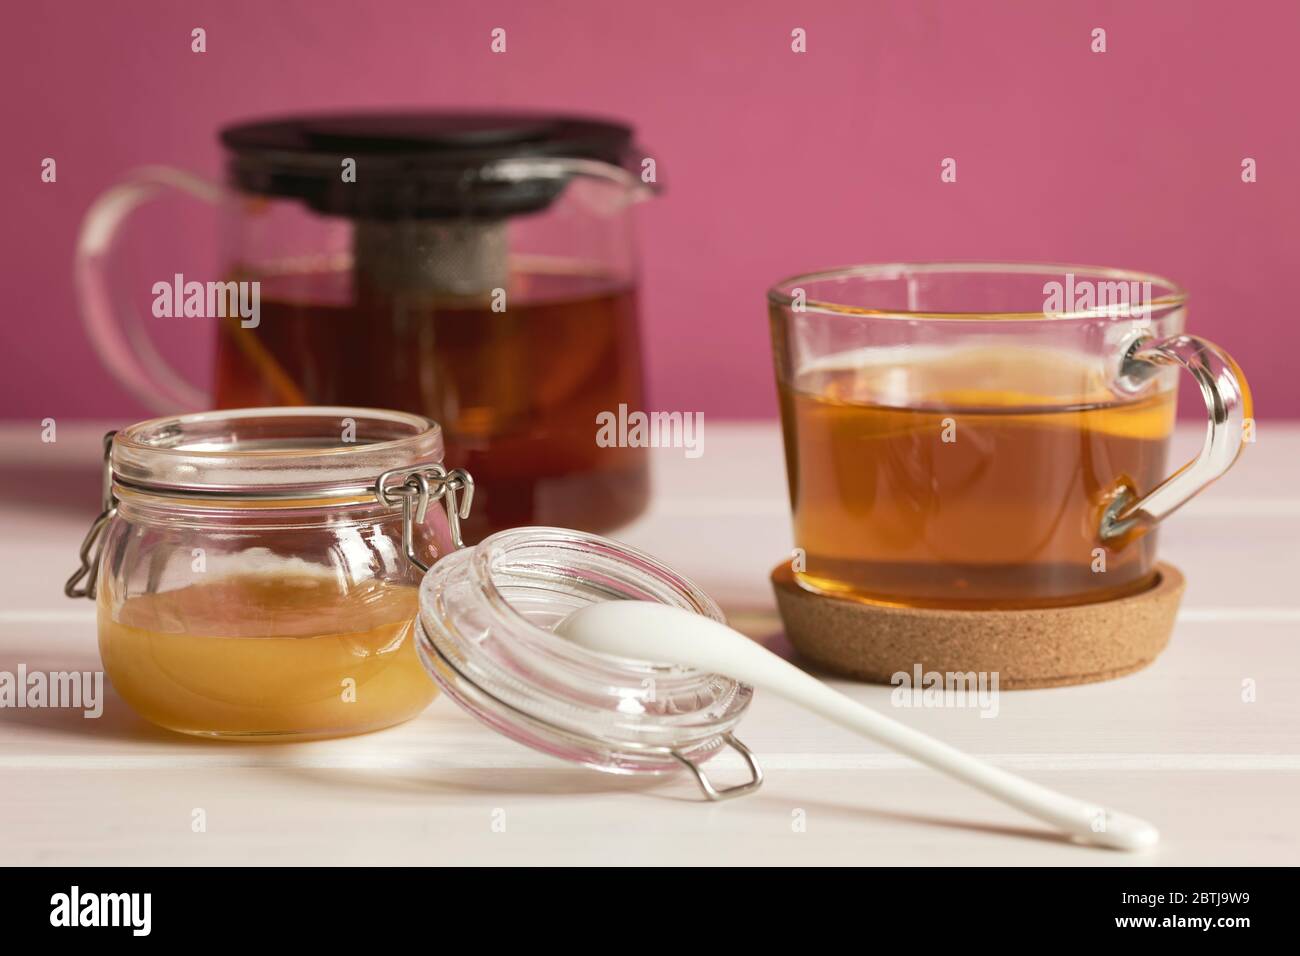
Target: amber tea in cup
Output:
[(948, 446)]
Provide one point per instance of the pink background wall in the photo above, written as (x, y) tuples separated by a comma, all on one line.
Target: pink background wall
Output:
[(775, 163)]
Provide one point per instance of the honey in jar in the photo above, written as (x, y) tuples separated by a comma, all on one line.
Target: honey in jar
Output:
[(299, 658)]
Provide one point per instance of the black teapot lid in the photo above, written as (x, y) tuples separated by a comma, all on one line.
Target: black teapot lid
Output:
[(420, 165)]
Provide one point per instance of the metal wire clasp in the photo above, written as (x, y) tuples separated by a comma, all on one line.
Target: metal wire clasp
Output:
[(423, 484), (92, 546), (725, 793)]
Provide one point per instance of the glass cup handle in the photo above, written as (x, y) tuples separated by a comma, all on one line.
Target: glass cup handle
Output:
[(119, 336), (1228, 403)]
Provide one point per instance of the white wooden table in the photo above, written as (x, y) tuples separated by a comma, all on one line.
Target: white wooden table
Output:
[(1175, 744)]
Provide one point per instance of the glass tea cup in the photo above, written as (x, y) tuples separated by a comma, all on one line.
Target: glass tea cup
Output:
[(989, 435)]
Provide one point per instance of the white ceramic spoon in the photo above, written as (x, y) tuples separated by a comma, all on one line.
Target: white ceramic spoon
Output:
[(659, 633)]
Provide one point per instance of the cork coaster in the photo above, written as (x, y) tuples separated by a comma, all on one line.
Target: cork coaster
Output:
[(1049, 647)]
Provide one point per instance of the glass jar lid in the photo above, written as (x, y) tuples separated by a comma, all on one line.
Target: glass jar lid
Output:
[(486, 635)]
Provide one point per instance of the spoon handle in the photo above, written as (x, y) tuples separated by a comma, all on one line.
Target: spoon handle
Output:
[(645, 631), (1089, 823)]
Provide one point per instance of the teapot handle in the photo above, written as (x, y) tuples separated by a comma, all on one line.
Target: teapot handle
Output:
[(119, 335)]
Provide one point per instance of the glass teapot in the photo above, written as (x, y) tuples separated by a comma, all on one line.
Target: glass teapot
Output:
[(477, 269)]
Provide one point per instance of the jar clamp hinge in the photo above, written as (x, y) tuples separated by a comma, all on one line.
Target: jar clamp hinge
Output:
[(92, 546), (423, 484)]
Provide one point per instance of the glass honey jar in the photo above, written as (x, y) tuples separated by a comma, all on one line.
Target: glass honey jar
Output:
[(293, 573), (256, 571)]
